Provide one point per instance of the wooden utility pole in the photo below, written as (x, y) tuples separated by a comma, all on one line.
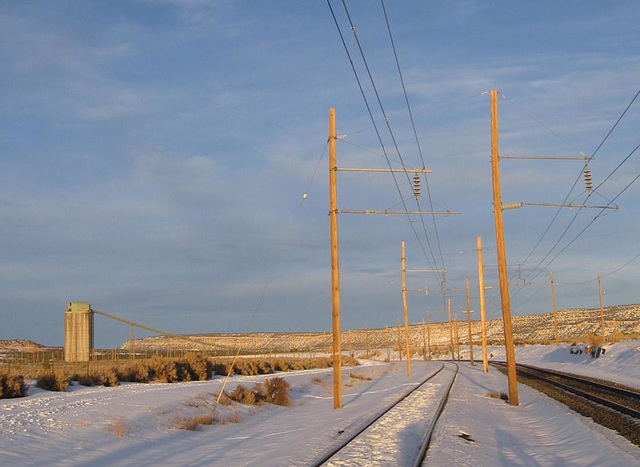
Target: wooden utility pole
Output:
[(502, 256), (555, 310), (469, 323), (424, 341), (335, 268), (455, 320), (404, 304), (428, 336), (399, 339), (485, 359), (601, 308), (386, 335), (132, 348), (451, 333)]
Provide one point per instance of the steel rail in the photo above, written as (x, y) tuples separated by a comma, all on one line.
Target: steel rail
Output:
[(537, 373), (426, 441), (328, 455)]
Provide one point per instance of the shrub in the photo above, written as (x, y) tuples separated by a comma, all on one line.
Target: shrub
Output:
[(12, 386), (133, 373), (221, 368), (592, 339), (243, 395), (108, 378), (163, 370), (53, 382), (246, 367), (277, 390), (197, 366)]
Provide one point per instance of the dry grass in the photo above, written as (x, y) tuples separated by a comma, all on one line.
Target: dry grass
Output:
[(502, 396), (235, 417), (118, 427), (359, 376)]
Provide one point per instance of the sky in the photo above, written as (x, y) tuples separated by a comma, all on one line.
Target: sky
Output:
[(166, 160)]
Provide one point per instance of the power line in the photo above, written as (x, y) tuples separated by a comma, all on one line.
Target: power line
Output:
[(536, 269), (415, 133), (375, 126), (603, 275)]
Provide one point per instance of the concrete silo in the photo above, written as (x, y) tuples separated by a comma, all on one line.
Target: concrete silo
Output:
[(78, 332)]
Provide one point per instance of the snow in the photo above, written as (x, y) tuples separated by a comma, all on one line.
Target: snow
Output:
[(79, 427)]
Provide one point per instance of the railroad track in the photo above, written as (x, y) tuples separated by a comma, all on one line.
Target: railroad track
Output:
[(382, 439), (610, 405)]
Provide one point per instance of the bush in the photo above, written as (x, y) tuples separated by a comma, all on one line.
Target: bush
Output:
[(277, 390), (243, 395), (53, 382), (12, 386), (274, 391), (592, 338), (133, 373), (197, 366), (221, 368), (163, 370)]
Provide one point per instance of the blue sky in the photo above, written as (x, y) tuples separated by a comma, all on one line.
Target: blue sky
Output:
[(155, 155)]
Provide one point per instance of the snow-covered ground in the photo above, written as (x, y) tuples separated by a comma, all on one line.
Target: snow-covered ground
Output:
[(139, 424)]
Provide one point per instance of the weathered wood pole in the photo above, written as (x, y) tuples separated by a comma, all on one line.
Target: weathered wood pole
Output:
[(601, 308), (386, 335), (502, 256), (555, 310), (428, 336), (451, 333), (469, 323), (406, 317), (424, 341), (485, 359), (399, 339), (455, 320), (335, 268)]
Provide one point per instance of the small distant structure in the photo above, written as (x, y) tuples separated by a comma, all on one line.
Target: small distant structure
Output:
[(78, 332)]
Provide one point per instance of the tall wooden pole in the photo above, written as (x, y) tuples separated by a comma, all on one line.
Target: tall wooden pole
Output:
[(469, 323), (386, 335), (555, 310), (455, 320), (502, 256), (428, 336), (485, 359), (601, 308), (132, 348), (424, 340), (399, 338), (335, 268), (404, 304), (451, 332)]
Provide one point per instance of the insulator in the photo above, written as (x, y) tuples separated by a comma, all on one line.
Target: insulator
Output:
[(512, 206), (416, 185), (587, 179)]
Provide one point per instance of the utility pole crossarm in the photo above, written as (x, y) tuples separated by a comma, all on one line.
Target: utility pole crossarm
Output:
[(356, 169), (548, 158), (390, 213), (556, 205)]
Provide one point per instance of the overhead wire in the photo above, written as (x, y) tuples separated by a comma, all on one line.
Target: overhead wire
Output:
[(370, 112), (536, 270), (415, 133), (602, 275)]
